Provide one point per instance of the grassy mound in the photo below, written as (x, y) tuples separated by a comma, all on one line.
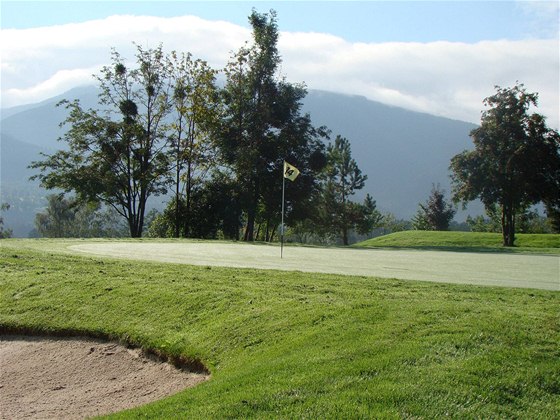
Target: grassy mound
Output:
[(463, 241), (295, 345)]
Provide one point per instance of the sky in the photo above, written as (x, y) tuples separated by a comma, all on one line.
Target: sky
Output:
[(439, 57)]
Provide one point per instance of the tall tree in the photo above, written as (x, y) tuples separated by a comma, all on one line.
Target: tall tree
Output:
[(194, 105), (117, 155), (262, 125), (515, 161), (248, 97), (436, 213), (343, 179)]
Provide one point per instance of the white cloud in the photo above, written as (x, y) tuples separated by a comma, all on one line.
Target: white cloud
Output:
[(443, 78), (60, 82)]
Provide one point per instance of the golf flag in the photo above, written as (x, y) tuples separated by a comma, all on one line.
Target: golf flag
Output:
[(290, 172)]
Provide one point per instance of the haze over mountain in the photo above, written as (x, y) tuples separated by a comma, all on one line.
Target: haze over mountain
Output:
[(402, 152)]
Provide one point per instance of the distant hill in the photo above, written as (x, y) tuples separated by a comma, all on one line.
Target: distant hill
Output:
[(38, 124), (25, 197), (402, 152)]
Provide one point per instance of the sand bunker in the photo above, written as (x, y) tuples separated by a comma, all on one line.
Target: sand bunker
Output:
[(50, 378)]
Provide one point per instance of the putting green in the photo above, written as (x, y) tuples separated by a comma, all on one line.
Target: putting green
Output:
[(490, 269)]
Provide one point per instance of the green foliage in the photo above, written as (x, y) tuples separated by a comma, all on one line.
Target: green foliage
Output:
[(553, 214), (261, 126), (120, 161), (529, 221), (159, 224), (214, 213), (336, 213), (4, 233), (516, 160), (194, 114), (482, 224), (296, 345), (342, 170), (390, 224), (436, 213), (367, 216), (64, 218)]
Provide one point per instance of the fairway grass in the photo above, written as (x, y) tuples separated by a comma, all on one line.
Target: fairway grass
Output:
[(465, 241), (301, 345), (489, 268)]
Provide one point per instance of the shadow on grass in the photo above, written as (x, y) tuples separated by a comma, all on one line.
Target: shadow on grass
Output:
[(468, 249)]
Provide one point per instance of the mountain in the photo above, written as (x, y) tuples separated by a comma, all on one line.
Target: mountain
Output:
[(38, 124), (402, 152), (25, 197)]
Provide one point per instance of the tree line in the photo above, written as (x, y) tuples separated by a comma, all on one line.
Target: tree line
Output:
[(166, 126)]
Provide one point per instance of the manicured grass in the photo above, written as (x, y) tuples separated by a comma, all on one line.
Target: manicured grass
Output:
[(464, 241), (299, 345)]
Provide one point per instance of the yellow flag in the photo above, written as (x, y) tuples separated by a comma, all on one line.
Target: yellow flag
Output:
[(290, 172)]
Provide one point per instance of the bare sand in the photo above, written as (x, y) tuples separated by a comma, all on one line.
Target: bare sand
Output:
[(75, 378)]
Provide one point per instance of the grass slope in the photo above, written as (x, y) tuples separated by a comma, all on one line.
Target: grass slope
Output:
[(464, 241), (297, 345)]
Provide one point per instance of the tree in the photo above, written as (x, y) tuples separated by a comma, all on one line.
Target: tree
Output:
[(117, 156), (482, 224), (214, 212), (247, 126), (367, 217), (68, 218), (553, 214), (436, 213), (343, 179), (4, 233), (194, 102), (390, 224), (529, 221), (261, 125), (515, 162)]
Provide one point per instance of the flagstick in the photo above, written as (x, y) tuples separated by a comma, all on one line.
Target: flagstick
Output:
[(282, 225)]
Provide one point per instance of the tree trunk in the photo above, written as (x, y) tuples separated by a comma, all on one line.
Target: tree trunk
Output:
[(267, 231), (508, 225), (133, 226), (344, 213), (252, 213), (345, 235), (188, 221), (177, 193), (257, 235)]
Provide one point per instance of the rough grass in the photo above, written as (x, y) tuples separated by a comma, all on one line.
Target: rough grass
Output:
[(297, 345), (465, 241)]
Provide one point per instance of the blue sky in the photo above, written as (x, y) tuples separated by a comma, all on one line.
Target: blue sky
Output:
[(365, 21), (439, 57)]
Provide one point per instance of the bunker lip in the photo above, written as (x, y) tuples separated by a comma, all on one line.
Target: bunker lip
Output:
[(50, 376)]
